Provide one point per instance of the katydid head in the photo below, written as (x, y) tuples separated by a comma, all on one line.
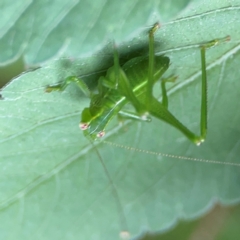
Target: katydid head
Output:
[(93, 126), (91, 134)]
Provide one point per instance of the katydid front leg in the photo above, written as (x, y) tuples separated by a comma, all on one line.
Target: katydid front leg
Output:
[(66, 82)]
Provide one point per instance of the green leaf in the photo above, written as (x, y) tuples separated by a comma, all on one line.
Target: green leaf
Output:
[(43, 29), (53, 185)]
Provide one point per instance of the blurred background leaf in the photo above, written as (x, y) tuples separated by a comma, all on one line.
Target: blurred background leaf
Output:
[(45, 29)]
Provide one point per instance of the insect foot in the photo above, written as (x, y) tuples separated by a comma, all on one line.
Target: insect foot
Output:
[(145, 117), (199, 141)]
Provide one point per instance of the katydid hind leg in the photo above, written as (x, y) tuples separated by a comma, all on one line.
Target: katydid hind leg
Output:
[(204, 100), (160, 110), (156, 108)]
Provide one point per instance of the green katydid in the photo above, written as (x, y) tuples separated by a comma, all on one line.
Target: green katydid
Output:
[(133, 83)]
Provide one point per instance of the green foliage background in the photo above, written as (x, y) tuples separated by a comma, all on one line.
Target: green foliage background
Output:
[(52, 183)]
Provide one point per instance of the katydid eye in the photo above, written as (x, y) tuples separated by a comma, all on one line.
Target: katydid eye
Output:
[(83, 126), (100, 134)]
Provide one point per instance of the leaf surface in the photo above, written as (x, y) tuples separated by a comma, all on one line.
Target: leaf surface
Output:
[(53, 185), (45, 29)]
